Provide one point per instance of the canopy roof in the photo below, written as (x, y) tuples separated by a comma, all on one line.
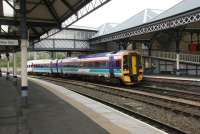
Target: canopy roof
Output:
[(182, 7), (138, 19), (43, 15), (184, 13)]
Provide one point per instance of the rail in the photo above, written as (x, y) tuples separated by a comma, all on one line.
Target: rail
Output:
[(184, 57), (131, 95)]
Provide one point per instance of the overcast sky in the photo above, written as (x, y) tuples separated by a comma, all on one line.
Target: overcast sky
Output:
[(117, 11)]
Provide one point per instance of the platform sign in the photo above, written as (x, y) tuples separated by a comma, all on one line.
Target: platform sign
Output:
[(5, 42)]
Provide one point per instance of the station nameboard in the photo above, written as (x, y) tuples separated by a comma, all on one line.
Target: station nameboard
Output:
[(4, 42)]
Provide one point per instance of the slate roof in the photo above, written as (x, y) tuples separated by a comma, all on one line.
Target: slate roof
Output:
[(105, 29), (152, 15), (138, 19), (181, 7)]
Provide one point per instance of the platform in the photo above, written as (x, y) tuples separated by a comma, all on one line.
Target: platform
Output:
[(56, 110), (47, 114)]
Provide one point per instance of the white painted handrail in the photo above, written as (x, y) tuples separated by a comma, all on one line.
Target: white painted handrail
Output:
[(190, 58)]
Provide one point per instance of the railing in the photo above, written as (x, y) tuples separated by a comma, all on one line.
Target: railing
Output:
[(189, 58)]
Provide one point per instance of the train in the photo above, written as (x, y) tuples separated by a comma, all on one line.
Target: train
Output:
[(124, 66)]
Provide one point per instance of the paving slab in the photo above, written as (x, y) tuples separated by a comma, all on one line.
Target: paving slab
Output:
[(46, 113), (9, 112), (111, 119)]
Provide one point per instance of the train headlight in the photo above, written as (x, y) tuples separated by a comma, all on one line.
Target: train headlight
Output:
[(140, 77)]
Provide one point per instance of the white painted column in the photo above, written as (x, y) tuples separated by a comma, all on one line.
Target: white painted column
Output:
[(177, 64), (14, 65), (8, 66), (24, 81)]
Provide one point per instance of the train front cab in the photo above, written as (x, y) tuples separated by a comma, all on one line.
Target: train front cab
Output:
[(132, 71)]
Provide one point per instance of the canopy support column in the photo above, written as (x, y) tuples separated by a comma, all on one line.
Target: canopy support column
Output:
[(24, 80), (14, 69), (178, 37), (14, 65), (8, 66), (24, 46)]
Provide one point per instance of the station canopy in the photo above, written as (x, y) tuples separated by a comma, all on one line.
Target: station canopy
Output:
[(143, 26), (43, 16)]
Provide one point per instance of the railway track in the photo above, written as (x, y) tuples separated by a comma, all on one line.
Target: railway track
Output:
[(177, 105), (174, 92), (183, 85), (186, 107)]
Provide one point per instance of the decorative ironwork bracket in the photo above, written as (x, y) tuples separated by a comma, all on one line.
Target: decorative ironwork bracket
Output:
[(163, 24)]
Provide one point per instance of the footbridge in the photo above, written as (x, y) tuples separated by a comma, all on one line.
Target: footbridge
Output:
[(74, 38)]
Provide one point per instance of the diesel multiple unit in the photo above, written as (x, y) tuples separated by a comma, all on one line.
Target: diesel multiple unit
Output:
[(125, 66)]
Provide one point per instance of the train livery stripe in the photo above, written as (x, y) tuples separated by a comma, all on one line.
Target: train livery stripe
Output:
[(42, 70), (90, 71)]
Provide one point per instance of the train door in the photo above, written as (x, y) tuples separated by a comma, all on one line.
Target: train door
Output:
[(136, 67), (111, 64), (133, 63), (51, 67), (60, 66)]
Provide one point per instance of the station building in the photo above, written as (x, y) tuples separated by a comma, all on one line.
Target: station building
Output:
[(168, 40), (159, 35)]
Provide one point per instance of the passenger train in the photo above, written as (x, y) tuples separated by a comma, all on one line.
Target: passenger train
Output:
[(125, 66)]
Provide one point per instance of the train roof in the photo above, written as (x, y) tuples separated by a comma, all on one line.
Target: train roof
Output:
[(95, 55), (104, 54), (43, 61), (83, 57)]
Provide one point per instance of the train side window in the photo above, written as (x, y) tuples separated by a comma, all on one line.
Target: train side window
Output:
[(81, 65), (102, 64), (97, 64), (85, 64), (91, 64), (75, 64), (88, 64), (68, 65), (118, 64), (125, 62), (139, 58)]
